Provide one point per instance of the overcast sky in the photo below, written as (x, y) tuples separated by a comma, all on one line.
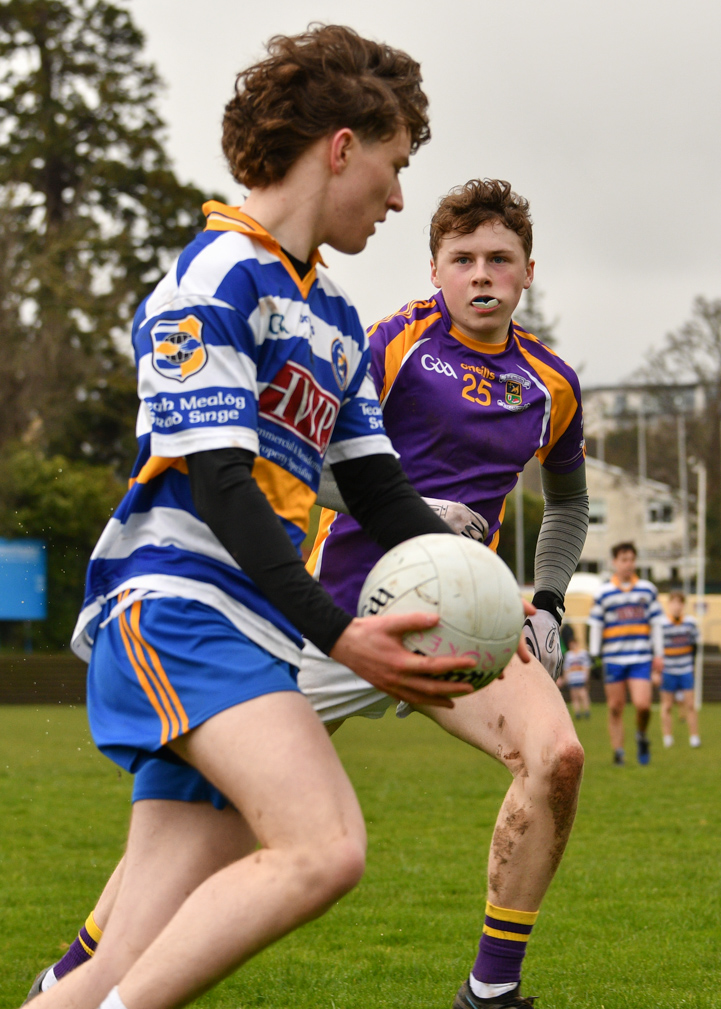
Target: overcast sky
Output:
[(606, 116)]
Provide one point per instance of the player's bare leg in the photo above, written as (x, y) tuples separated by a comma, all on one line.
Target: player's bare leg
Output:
[(667, 716), (301, 806), (689, 704), (640, 691), (523, 722), (133, 909), (616, 701)]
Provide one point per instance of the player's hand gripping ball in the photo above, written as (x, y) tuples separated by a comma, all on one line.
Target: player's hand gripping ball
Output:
[(467, 585)]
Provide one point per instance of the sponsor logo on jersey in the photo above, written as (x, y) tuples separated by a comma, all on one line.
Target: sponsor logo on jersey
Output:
[(513, 399), (294, 400), (631, 614), (178, 347), (431, 363), (339, 363)]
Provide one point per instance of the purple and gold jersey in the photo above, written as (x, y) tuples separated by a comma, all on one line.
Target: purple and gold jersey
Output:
[(465, 418)]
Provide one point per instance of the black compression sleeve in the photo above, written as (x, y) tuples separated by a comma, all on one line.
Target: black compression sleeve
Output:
[(230, 502), (381, 499)]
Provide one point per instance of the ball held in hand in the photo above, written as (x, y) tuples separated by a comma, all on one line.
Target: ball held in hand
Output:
[(467, 585)]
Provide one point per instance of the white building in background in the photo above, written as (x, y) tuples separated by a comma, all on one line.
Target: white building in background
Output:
[(649, 513)]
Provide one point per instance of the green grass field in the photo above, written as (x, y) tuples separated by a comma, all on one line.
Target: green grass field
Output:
[(632, 920)]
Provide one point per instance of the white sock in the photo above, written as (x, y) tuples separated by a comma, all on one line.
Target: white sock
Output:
[(668, 741), (695, 740), (49, 980), (481, 989), (112, 1000)]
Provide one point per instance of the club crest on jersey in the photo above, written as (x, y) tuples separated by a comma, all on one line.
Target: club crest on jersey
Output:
[(339, 363), (295, 401), (513, 400), (178, 347)]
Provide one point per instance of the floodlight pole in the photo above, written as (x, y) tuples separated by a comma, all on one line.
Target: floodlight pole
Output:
[(520, 551), (683, 488), (700, 469), (642, 467)]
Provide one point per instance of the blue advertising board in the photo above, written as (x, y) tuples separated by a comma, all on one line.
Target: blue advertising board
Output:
[(23, 580)]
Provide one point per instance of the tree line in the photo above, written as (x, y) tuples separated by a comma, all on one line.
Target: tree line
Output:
[(91, 216)]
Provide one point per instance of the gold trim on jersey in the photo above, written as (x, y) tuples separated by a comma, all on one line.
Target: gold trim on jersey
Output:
[(327, 518), (224, 218), (563, 399), (403, 313), (482, 348), (288, 496), (399, 348), (157, 465), (626, 630)]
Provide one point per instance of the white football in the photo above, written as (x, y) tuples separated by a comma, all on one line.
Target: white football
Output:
[(473, 591)]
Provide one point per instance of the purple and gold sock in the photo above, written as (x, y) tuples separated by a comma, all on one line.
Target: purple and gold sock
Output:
[(81, 950), (503, 945)]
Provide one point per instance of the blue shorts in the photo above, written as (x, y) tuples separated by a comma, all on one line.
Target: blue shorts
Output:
[(165, 666), (615, 672), (159, 779), (677, 681)]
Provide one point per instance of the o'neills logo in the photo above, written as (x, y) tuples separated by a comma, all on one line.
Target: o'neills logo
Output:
[(295, 401)]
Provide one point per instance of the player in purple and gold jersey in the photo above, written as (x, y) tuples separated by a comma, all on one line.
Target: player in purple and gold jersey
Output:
[(468, 398)]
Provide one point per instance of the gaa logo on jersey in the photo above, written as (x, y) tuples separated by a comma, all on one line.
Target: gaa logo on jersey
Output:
[(339, 363), (178, 348)]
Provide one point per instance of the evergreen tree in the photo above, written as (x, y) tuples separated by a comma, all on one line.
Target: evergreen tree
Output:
[(91, 215), (530, 315)]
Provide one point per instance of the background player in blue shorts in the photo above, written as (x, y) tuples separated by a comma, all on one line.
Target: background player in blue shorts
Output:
[(252, 367), (625, 623), (680, 640), (576, 667)]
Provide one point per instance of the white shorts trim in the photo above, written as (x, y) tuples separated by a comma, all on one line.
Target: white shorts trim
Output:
[(335, 691)]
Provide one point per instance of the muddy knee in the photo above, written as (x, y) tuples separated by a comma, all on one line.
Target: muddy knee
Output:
[(564, 781)]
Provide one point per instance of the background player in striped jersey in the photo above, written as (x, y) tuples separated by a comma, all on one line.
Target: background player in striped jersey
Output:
[(680, 640), (468, 398), (252, 368), (576, 667), (625, 623)]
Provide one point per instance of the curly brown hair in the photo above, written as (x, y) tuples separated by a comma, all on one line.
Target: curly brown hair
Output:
[(311, 85), (479, 201)]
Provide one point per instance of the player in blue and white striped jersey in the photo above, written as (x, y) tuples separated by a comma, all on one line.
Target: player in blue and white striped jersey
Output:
[(680, 640), (625, 625), (252, 368)]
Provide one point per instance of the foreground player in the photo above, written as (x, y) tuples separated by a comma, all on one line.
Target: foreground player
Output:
[(251, 368), (626, 632), (680, 640), (468, 398)]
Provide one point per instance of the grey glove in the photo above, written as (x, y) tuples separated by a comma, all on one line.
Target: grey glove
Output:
[(540, 633), (460, 518)]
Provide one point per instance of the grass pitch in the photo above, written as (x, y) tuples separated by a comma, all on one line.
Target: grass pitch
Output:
[(633, 917)]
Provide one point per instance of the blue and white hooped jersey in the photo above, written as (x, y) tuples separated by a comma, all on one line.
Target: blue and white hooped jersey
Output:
[(626, 616), (233, 349), (680, 638), (576, 667)]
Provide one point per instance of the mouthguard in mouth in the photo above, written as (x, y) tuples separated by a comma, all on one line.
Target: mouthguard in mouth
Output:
[(485, 302)]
